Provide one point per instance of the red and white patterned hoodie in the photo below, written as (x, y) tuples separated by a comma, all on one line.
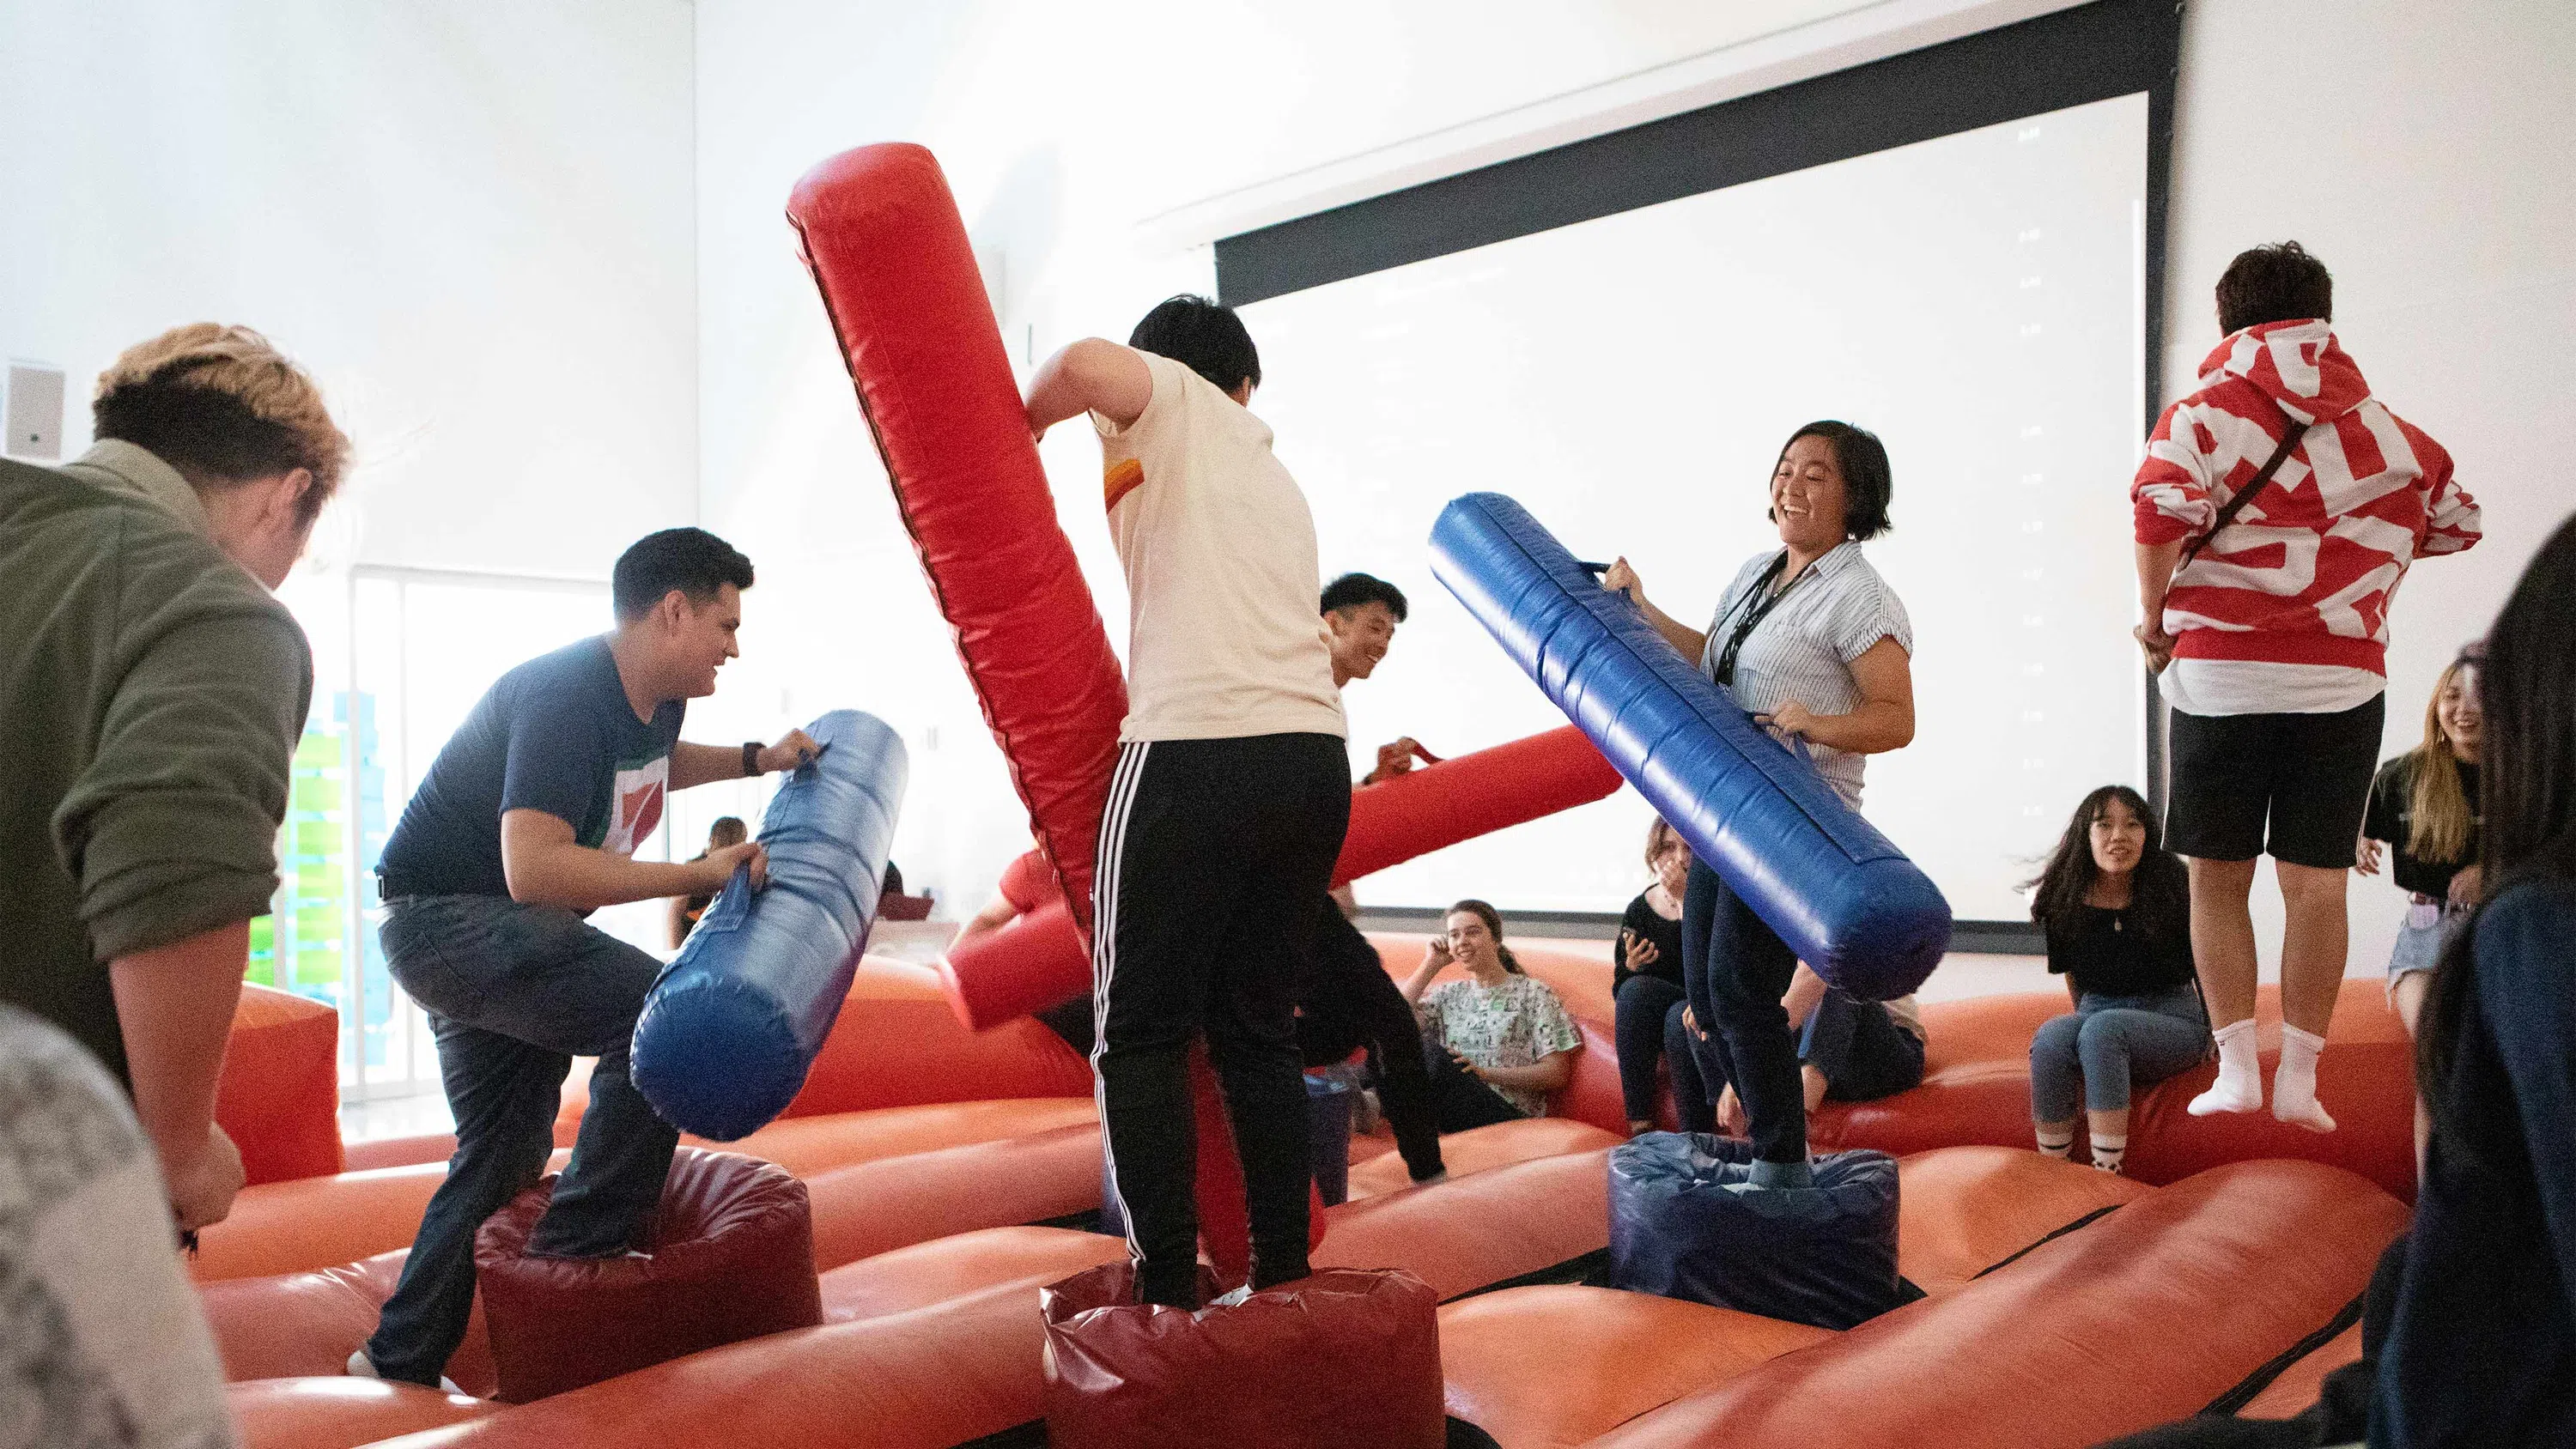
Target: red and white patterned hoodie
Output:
[(2287, 610)]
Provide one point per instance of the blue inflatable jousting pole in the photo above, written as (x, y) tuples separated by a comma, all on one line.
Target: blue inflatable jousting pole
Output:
[(732, 1025), (1848, 902)]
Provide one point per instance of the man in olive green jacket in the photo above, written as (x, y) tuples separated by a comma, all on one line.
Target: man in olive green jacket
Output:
[(151, 695)]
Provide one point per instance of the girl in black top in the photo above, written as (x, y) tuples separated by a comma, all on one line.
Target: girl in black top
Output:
[(2424, 805), (1646, 972), (2117, 910)]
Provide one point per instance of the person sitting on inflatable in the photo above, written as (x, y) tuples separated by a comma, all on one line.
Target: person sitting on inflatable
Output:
[(2424, 806), (1497, 1042), (1646, 972), (1849, 1050), (2117, 909)]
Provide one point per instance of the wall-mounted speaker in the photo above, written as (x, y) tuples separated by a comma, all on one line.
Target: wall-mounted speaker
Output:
[(35, 412)]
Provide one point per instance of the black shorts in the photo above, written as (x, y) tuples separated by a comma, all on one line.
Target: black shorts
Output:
[(2308, 774)]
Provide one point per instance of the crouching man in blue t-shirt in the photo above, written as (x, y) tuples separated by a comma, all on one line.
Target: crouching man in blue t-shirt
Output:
[(527, 822)]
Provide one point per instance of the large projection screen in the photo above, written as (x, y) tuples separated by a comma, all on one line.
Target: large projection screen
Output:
[(1978, 299)]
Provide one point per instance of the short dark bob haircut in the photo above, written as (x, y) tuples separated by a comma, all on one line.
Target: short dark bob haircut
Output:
[(1868, 484), (1202, 336)]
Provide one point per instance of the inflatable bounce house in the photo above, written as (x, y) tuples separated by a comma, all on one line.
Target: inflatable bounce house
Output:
[(882, 1228)]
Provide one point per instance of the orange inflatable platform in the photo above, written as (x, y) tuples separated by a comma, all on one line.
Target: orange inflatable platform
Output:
[(1976, 1080), (2038, 1350), (930, 1345)]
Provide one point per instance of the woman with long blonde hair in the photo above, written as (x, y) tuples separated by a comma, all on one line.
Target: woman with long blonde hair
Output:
[(2424, 808)]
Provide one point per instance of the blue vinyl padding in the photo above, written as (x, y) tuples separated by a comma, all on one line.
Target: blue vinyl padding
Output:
[(1682, 1225), (732, 1024), (1845, 899)]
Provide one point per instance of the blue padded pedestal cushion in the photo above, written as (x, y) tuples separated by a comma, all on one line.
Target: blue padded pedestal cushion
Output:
[(1681, 1226)]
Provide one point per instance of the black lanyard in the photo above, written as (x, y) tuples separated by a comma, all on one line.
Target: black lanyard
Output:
[(1724, 673)]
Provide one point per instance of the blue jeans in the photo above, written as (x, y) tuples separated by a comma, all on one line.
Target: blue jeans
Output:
[(514, 993), (2110, 1042), (1735, 970)]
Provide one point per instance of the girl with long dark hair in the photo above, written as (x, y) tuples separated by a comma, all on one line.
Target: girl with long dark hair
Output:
[(2482, 1348), (2117, 909)]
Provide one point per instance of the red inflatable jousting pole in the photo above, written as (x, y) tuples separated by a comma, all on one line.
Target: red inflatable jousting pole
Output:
[(1040, 960)]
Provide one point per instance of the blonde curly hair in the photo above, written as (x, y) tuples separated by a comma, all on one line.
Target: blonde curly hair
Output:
[(222, 406)]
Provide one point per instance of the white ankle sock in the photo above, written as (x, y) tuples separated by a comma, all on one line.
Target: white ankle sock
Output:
[(2294, 1085), (2109, 1150), (2239, 1087), (2055, 1144)]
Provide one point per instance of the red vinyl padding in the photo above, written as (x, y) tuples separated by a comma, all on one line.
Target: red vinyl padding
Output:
[(732, 1258), (1346, 1356), (340, 1412), (1037, 961), (279, 1096), (1472, 795), (883, 238)]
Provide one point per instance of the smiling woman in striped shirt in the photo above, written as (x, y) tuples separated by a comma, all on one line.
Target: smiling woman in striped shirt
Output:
[(1813, 642)]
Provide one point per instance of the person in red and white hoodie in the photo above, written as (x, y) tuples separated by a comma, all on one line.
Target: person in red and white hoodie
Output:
[(2271, 640)]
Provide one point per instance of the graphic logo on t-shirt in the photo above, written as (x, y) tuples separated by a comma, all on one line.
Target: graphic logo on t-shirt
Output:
[(1120, 480), (639, 805)]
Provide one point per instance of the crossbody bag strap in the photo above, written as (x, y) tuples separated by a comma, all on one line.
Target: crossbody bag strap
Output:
[(2295, 430)]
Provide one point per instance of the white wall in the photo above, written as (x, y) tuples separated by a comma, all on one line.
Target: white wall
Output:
[(1061, 128), (472, 221), (2414, 148)]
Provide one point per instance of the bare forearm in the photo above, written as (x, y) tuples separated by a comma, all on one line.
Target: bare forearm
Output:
[(1873, 729), (1420, 981), (174, 1007), (578, 878), (2155, 576), (1545, 1076), (1055, 393), (1691, 642), (694, 765)]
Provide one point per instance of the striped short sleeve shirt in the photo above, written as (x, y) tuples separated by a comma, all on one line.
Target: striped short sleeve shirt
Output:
[(1833, 613)]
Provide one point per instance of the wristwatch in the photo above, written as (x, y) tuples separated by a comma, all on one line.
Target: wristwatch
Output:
[(751, 757)]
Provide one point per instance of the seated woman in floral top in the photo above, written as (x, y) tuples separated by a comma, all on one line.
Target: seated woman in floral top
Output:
[(1497, 1042)]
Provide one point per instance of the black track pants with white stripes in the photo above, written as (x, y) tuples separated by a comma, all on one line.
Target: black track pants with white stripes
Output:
[(1212, 856)]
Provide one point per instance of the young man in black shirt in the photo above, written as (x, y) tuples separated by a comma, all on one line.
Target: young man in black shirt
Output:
[(528, 821), (1348, 1001)]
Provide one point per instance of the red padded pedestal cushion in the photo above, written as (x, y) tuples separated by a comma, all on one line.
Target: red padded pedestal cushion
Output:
[(732, 1258), (1343, 1357), (279, 1096)]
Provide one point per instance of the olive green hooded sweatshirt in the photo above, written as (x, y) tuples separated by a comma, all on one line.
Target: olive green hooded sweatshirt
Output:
[(151, 694)]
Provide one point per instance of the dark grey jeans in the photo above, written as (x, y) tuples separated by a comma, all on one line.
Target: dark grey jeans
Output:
[(514, 993)]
